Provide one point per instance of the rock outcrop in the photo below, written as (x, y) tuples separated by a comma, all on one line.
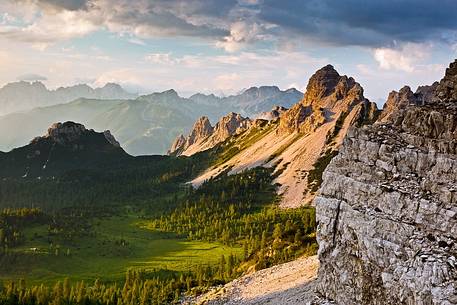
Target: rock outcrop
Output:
[(64, 133), (203, 136), (327, 93), (387, 209), (446, 90), (69, 133), (274, 114)]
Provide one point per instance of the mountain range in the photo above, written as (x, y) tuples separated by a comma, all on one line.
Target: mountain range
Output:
[(297, 142), (144, 125), (383, 183), (21, 96)]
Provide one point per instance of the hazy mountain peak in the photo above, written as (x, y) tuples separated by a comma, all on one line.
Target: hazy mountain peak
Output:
[(23, 95), (262, 90), (171, 93), (112, 85)]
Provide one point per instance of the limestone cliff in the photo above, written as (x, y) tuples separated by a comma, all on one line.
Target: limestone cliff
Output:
[(387, 209)]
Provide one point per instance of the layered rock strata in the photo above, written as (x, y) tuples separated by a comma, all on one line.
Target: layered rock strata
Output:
[(387, 209)]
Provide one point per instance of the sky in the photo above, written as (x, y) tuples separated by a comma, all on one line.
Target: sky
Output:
[(225, 46)]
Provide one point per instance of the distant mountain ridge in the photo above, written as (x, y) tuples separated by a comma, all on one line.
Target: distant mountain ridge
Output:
[(147, 124), (22, 95), (253, 100)]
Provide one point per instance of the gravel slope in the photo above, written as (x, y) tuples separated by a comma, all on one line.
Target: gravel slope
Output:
[(289, 284)]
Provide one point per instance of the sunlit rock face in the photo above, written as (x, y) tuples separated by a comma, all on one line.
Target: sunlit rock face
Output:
[(327, 94), (204, 136)]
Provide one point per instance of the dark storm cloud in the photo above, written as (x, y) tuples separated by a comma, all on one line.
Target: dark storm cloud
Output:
[(363, 22), (71, 5)]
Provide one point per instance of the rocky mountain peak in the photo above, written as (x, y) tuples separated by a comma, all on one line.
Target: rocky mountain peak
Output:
[(178, 145), (447, 88), (327, 93), (64, 133), (201, 129), (321, 84), (230, 125), (396, 102), (203, 136), (69, 133)]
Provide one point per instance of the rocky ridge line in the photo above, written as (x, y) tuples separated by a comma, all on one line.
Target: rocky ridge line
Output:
[(204, 136)]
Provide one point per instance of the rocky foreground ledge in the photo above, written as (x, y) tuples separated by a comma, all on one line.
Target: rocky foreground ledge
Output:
[(387, 211)]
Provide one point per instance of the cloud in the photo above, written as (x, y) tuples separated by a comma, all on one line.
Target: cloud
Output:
[(241, 33), (161, 58), (232, 24), (71, 5), (32, 77), (49, 28), (405, 58), (364, 23)]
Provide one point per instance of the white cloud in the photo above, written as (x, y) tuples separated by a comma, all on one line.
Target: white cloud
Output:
[(49, 28), (137, 41), (126, 77), (406, 58), (241, 33), (161, 58)]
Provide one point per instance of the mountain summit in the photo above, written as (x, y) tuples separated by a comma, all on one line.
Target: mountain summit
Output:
[(65, 146)]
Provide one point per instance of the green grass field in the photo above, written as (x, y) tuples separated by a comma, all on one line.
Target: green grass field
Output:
[(118, 243)]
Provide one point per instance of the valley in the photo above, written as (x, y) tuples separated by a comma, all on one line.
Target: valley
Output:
[(114, 245), (109, 214)]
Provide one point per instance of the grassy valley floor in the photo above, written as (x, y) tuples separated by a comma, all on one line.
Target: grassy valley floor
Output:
[(116, 244)]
